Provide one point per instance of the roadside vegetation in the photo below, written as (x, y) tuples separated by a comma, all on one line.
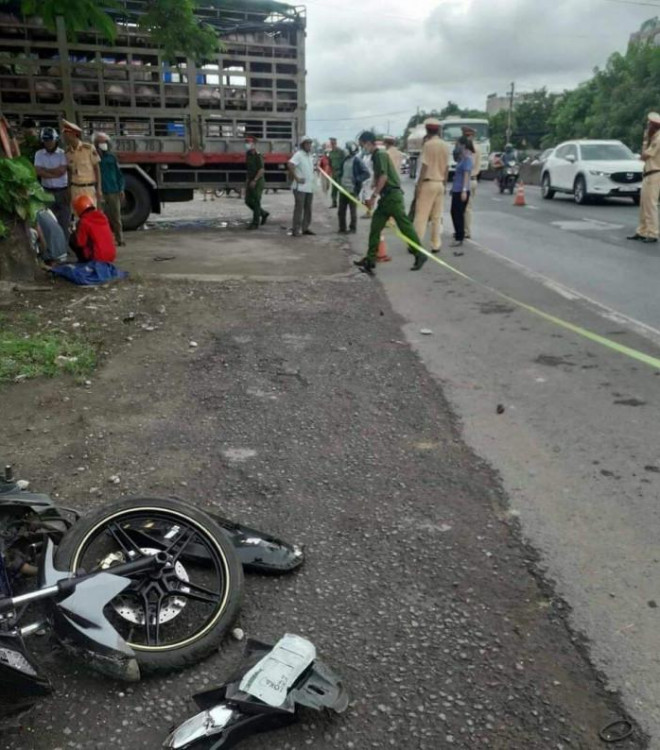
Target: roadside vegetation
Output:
[(26, 353)]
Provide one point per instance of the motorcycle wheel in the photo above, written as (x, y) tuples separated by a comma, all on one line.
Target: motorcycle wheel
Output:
[(179, 617)]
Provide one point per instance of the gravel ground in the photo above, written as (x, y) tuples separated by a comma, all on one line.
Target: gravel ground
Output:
[(301, 411)]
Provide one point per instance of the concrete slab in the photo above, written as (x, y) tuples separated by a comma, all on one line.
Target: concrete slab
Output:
[(209, 241)]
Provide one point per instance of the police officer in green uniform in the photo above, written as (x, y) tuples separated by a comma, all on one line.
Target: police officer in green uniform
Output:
[(336, 158), (255, 183), (387, 187)]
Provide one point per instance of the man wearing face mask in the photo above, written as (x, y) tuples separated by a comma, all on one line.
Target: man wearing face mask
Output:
[(387, 187), (112, 184), (647, 231), (254, 189)]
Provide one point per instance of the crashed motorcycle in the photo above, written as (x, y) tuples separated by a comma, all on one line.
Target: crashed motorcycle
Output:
[(508, 177), (141, 586)]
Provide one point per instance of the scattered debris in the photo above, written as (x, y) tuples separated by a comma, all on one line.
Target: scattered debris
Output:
[(193, 344), (426, 332), (164, 257), (500, 409), (616, 731), (114, 479), (238, 634), (266, 693)]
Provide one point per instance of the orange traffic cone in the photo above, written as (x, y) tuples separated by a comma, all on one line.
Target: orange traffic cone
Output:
[(520, 195), (382, 256)]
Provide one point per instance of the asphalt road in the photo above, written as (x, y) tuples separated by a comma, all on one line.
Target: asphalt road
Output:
[(302, 410), (575, 439)]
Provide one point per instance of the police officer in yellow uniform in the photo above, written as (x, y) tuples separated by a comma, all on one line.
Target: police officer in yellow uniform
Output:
[(83, 161), (647, 231), (393, 152), (387, 190), (430, 191), (470, 133)]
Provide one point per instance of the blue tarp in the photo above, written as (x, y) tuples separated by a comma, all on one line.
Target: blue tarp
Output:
[(89, 274)]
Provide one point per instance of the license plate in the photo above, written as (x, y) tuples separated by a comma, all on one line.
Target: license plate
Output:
[(628, 189)]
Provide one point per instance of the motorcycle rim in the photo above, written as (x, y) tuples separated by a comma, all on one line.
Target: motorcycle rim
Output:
[(150, 517)]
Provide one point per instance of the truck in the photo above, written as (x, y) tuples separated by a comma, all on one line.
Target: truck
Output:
[(450, 131), (176, 125)]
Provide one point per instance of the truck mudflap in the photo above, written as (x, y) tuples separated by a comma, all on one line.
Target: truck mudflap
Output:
[(287, 676)]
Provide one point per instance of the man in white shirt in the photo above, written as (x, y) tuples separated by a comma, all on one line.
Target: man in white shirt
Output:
[(50, 164), (301, 171)]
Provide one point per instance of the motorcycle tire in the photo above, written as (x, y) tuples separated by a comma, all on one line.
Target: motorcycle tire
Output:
[(192, 649)]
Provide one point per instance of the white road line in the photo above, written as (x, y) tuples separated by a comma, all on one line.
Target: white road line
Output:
[(642, 329), (534, 208)]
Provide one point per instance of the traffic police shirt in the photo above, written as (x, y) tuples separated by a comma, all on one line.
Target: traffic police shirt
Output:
[(82, 161), (476, 169), (382, 164), (653, 152), (435, 155)]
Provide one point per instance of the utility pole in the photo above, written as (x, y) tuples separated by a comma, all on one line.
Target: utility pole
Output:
[(388, 127), (508, 125)]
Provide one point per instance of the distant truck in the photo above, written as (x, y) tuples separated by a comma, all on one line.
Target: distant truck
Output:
[(451, 131), (176, 128)]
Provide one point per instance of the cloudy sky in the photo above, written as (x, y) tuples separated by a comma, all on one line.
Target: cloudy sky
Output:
[(376, 61)]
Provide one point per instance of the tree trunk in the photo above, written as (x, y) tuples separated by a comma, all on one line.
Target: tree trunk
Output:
[(17, 259)]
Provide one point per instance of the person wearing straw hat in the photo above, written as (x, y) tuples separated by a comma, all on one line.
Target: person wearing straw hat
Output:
[(83, 161), (647, 231)]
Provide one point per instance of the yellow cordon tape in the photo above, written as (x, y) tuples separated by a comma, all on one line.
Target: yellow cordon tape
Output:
[(647, 359)]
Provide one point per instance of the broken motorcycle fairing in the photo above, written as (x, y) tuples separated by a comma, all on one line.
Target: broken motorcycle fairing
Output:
[(258, 551), (265, 694)]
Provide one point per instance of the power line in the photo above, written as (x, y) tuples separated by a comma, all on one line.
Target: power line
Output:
[(647, 3)]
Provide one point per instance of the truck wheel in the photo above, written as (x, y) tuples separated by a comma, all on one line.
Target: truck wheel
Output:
[(137, 206)]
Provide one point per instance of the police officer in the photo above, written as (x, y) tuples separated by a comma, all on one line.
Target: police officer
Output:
[(336, 157), (387, 188), (254, 189), (647, 231), (469, 132), (430, 190), (83, 160), (393, 152)]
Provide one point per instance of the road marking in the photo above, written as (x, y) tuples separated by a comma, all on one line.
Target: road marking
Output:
[(586, 225), (534, 208), (637, 326)]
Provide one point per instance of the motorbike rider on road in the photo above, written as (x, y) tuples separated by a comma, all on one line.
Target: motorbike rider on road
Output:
[(509, 159)]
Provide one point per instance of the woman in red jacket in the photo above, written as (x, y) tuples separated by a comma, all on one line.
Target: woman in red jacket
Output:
[(93, 238)]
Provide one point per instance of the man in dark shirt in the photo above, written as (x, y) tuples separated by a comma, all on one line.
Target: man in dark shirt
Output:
[(255, 183), (336, 157), (387, 186)]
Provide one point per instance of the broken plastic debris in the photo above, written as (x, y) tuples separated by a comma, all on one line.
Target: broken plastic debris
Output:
[(426, 332)]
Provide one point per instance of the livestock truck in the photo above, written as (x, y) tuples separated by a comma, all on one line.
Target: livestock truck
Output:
[(177, 126)]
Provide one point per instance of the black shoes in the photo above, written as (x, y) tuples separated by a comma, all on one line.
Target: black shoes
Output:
[(641, 238), (649, 240), (342, 231), (635, 237), (352, 230), (264, 218), (420, 259), (253, 226), (309, 231), (365, 265)]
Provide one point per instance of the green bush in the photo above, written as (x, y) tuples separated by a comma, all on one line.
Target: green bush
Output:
[(21, 195)]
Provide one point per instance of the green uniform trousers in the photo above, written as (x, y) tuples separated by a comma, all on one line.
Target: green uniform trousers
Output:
[(253, 202), (390, 205)]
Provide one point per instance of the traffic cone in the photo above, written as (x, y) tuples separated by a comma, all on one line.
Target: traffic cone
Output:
[(520, 195), (382, 256)]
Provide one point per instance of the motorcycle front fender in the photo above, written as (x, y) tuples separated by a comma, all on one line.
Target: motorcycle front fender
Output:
[(260, 552)]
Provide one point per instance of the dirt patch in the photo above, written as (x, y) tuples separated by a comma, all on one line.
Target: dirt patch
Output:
[(549, 360)]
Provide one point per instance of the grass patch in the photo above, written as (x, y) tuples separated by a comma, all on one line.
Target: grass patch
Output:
[(46, 354)]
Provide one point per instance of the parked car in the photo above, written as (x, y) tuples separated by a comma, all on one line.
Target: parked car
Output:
[(588, 169)]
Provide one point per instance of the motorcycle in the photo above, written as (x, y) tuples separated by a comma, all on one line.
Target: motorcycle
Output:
[(143, 586), (509, 177)]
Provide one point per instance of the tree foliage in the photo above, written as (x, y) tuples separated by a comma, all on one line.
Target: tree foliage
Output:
[(614, 103), (21, 195), (171, 23)]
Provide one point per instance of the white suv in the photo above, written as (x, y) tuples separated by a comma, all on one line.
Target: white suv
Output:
[(592, 168)]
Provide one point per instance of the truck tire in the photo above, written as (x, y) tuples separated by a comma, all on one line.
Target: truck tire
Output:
[(137, 205)]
